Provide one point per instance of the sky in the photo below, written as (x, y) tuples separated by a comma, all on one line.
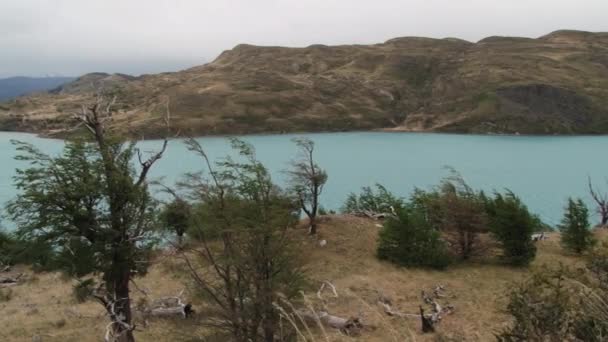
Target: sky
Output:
[(73, 37)]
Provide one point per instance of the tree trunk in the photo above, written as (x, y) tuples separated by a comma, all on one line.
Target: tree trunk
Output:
[(123, 308), (313, 225)]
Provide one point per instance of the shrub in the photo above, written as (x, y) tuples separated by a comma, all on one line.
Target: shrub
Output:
[(512, 225), (409, 240), (556, 305), (176, 217), (35, 252), (576, 235), (597, 264), (379, 200)]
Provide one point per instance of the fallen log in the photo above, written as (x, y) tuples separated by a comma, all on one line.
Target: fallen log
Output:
[(349, 326), (10, 281), (184, 310), (167, 307)]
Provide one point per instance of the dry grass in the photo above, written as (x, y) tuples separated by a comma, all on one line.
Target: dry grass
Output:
[(44, 305)]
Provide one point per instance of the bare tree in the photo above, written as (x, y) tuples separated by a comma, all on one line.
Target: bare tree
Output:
[(601, 200), (307, 180)]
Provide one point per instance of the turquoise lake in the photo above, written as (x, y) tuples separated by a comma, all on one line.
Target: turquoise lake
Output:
[(543, 171)]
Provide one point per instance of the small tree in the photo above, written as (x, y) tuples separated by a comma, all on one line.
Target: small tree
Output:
[(409, 240), (93, 206), (512, 225), (176, 216), (307, 180), (575, 233), (463, 215), (253, 263)]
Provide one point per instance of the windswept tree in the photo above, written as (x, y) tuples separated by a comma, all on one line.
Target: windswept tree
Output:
[(512, 225), (93, 205), (575, 231), (408, 239), (463, 216), (250, 263), (307, 180), (601, 201)]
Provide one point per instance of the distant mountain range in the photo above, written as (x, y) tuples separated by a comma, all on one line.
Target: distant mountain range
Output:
[(17, 86), (554, 84)]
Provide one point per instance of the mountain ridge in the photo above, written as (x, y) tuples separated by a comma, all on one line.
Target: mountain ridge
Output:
[(554, 84), (11, 87)]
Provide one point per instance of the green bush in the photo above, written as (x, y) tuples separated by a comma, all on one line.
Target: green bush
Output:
[(512, 225), (379, 200), (176, 217), (35, 252), (576, 235), (409, 240)]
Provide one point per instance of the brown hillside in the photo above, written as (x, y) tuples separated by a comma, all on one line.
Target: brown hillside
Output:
[(555, 84)]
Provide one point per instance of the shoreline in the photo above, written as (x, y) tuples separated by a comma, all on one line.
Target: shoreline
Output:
[(388, 130)]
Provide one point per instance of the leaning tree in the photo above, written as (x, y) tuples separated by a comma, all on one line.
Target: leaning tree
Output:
[(92, 203), (307, 180), (246, 263)]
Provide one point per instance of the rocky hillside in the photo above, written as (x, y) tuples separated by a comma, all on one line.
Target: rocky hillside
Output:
[(555, 84)]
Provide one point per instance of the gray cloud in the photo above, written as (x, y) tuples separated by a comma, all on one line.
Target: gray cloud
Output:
[(72, 37)]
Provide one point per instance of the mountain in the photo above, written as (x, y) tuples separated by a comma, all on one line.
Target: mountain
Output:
[(554, 84), (17, 86)]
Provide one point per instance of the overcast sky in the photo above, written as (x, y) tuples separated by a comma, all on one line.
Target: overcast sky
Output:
[(72, 37)]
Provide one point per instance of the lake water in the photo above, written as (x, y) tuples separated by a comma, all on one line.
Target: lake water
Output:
[(543, 171)]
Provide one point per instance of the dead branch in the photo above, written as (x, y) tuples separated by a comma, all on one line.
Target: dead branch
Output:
[(331, 286), (601, 201), (430, 298)]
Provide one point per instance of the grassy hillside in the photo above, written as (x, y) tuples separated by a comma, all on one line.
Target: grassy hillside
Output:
[(44, 306), (555, 84)]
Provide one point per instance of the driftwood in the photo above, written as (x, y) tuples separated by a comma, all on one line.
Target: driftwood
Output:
[(539, 237), (428, 320), (167, 307), (427, 323), (10, 281), (331, 286), (374, 215), (349, 326)]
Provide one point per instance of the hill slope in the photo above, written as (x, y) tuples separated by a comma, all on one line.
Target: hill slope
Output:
[(555, 84), (17, 86)]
